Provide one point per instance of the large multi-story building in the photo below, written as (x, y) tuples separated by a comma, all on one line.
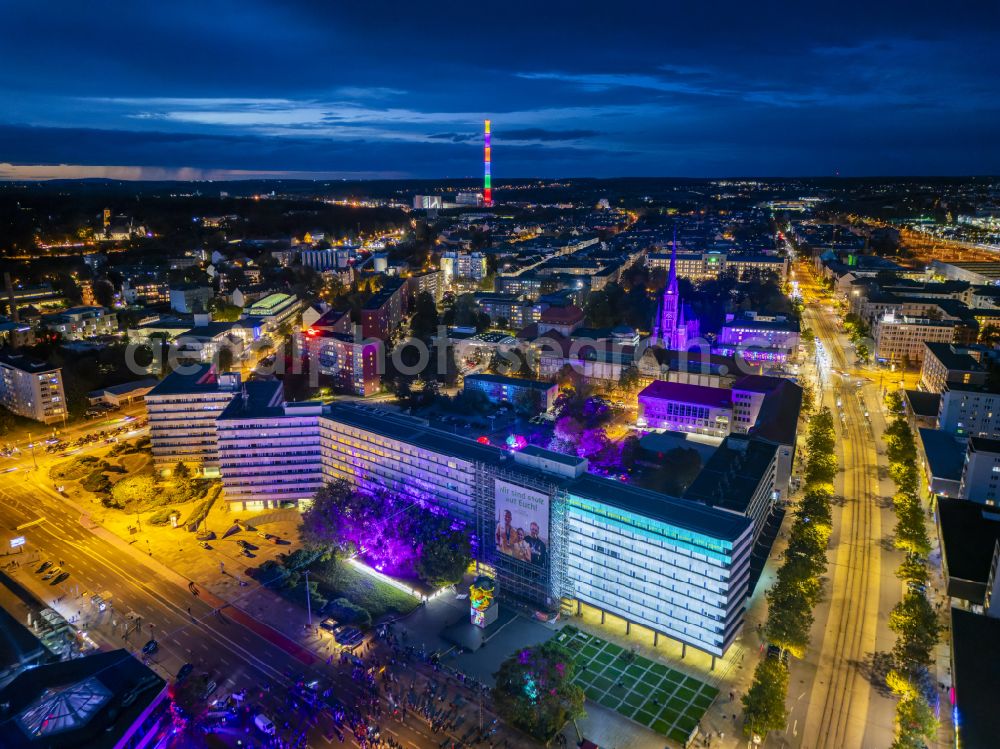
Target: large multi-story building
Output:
[(268, 449), (463, 265), (383, 313), (981, 471), (182, 410), (77, 323), (189, 298), (754, 331), (702, 266), (902, 339), (273, 310), (680, 407), (532, 395), (32, 389), (969, 411), (946, 364), (678, 568), (355, 365)]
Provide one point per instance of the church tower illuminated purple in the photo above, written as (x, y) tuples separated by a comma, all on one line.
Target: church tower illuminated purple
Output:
[(670, 329)]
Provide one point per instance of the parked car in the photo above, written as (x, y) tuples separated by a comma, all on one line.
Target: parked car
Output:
[(150, 647), (185, 671), (44, 566)]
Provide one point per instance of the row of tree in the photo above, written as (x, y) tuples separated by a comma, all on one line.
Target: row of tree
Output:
[(798, 585), (913, 619)]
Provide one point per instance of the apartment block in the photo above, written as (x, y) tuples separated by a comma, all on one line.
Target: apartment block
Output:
[(32, 389)]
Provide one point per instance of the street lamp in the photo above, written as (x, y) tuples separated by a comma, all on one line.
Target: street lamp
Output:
[(308, 601)]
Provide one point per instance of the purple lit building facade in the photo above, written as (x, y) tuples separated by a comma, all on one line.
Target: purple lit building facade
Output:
[(674, 325)]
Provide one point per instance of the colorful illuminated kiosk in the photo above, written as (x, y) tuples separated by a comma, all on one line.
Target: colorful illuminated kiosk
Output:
[(484, 607)]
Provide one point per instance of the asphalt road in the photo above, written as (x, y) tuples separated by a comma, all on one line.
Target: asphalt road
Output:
[(237, 656), (843, 709)]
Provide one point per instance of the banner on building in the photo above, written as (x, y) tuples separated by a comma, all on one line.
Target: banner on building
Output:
[(522, 523)]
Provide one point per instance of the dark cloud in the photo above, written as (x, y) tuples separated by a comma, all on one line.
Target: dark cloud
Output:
[(537, 133), (648, 88)]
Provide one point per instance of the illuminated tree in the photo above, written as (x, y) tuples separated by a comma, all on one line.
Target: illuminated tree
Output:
[(535, 691), (134, 490), (789, 618), (916, 627), (764, 702), (916, 726)]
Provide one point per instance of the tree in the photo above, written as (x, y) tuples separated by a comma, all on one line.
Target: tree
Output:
[(916, 725), (916, 627), (535, 690), (789, 619), (629, 378), (764, 702), (424, 322), (445, 557), (322, 521)]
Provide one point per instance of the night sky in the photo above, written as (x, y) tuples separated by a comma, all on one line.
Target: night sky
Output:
[(179, 89)]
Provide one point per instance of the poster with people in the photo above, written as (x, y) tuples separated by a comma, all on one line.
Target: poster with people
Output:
[(522, 523)]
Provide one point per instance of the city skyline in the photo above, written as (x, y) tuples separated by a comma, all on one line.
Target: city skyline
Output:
[(186, 92)]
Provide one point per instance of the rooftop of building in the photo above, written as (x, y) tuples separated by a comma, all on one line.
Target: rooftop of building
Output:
[(192, 379), (255, 399), (984, 445), (976, 658), (945, 454), (683, 392), (270, 302), (671, 510), (778, 418), (791, 326), (91, 701), (969, 534), (755, 383), (953, 358), (126, 387), (562, 315), (26, 364), (513, 381), (390, 286), (731, 476), (923, 405)]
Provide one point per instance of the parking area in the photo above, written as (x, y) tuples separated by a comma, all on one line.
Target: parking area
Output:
[(652, 694)]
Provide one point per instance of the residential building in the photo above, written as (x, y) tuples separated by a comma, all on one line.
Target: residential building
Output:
[(382, 315), (703, 266), (463, 265), (535, 396), (32, 389), (969, 411), (268, 449), (182, 411), (76, 323), (190, 298), (145, 290), (981, 471), (945, 363), (510, 310), (356, 365)]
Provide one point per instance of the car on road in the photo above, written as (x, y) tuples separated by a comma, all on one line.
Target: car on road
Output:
[(210, 686), (44, 566), (98, 600), (328, 624), (264, 724), (53, 571), (150, 647), (185, 671), (204, 544)]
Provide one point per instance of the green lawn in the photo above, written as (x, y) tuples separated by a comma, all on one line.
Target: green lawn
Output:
[(344, 580), (653, 694)]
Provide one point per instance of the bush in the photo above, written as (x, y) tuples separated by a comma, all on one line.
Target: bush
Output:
[(136, 490), (96, 482), (162, 517), (346, 612)]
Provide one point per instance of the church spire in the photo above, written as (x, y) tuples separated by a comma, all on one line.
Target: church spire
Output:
[(672, 279)]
